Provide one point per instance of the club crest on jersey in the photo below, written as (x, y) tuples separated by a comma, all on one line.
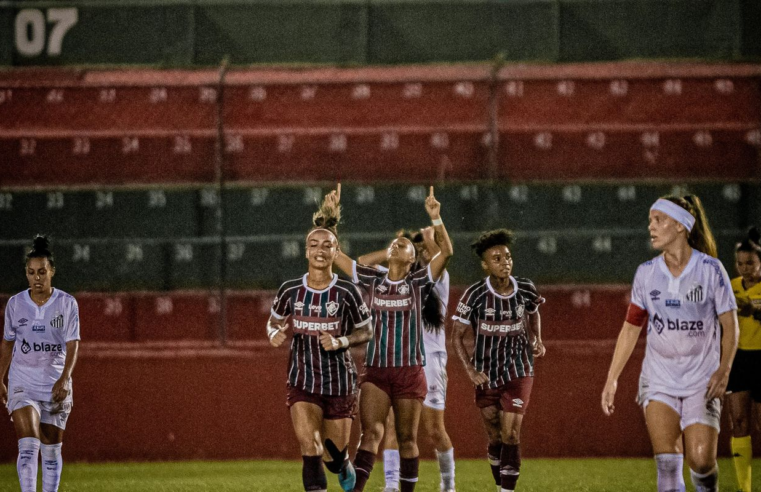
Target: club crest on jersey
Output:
[(332, 307), (57, 321), (404, 289), (658, 324), (519, 310), (655, 295), (22, 322), (695, 294), (298, 306)]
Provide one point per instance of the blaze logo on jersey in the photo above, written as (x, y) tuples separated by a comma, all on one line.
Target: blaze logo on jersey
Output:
[(332, 307), (654, 295), (25, 347), (298, 306), (404, 289), (695, 294), (658, 324)]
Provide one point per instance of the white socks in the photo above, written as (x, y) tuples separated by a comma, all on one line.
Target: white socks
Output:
[(26, 465), (670, 477), (706, 482), (52, 464), (391, 465), (446, 468)]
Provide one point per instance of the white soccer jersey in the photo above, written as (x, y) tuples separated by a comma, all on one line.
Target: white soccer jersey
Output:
[(437, 341), (40, 334), (683, 334)]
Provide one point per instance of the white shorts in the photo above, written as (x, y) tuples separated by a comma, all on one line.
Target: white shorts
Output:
[(436, 378), (693, 409), (50, 413)]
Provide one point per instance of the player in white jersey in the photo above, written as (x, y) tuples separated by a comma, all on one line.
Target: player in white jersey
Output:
[(686, 298), (40, 344), (435, 370)]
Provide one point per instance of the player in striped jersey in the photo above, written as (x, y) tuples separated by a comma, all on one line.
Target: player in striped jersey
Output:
[(40, 343), (744, 388), (434, 342), (395, 355), (686, 299), (327, 315), (502, 313)]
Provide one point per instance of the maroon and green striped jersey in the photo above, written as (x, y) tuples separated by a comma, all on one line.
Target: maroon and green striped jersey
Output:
[(338, 310), (500, 326), (397, 323)]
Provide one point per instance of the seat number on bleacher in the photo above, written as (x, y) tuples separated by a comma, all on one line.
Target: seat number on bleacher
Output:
[(31, 30), (6, 95), (113, 307), (6, 201), (81, 253), (55, 200)]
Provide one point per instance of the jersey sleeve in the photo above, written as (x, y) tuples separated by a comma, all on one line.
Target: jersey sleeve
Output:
[(9, 331), (724, 297), (357, 307), (465, 309), (531, 296), (365, 275), (72, 325), (638, 290), (281, 306)]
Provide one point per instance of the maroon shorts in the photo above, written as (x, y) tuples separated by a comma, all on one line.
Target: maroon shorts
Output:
[(333, 407), (511, 397), (398, 382)]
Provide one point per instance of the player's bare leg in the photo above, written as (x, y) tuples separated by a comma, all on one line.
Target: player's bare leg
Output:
[(374, 405), (307, 424), (433, 422), (700, 443), (666, 437), (336, 457)]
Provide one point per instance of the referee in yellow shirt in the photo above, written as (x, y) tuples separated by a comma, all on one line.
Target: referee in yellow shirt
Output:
[(744, 389)]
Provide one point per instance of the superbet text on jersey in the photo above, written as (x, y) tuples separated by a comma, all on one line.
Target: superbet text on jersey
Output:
[(683, 332), (40, 334)]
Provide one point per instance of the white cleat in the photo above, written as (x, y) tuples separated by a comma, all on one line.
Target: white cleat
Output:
[(389, 489)]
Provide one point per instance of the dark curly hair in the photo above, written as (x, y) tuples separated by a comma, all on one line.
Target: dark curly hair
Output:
[(489, 239), (751, 243)]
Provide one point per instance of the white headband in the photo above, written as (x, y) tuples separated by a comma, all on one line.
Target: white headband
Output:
[(675, 212), (321, 229)]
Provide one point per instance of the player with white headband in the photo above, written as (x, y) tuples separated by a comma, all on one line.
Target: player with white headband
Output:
[(686, 298), (327, 315)]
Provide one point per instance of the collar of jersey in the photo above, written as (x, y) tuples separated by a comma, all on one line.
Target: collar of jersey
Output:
[(332, 283), (28, 298), (512, 281), (690, 265)]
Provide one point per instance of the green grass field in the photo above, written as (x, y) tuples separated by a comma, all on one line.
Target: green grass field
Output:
[(537, 475)]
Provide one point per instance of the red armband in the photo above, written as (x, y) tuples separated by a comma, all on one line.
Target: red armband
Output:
[(635, 315)]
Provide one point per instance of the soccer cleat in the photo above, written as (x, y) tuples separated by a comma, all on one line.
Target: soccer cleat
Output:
[(347, 477), (389, 489)]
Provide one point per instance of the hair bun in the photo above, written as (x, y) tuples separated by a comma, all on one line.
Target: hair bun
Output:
[(40, 243), (754, 234)]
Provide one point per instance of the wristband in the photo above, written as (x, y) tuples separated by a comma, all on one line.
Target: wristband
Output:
[(343, 342), (271, 332), (437, 222)]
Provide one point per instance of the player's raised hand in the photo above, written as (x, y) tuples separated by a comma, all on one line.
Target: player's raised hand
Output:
[(608, 395), (432, 206), (277, 335), (334, 197), (328, 341)]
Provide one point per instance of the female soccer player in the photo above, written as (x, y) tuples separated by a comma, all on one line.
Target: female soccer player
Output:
[(744, 386), (502, 312), (327, 316), (395, 355), (40, 344), (683, 294), (434, 342)]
